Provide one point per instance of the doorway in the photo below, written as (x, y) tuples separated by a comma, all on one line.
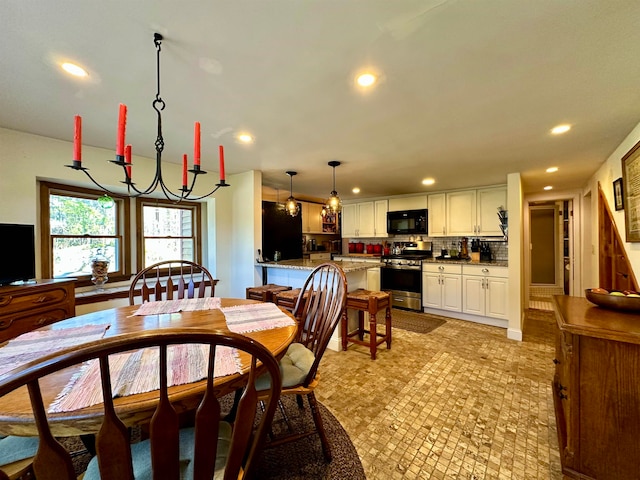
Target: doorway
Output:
[(551, 268)]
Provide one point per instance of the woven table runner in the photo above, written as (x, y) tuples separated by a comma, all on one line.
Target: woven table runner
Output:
[(138, 372), (33, 345), (174, 306), (255, 317)]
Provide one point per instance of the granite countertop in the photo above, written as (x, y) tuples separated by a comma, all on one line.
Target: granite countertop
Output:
[(305, 264), (493, 263)]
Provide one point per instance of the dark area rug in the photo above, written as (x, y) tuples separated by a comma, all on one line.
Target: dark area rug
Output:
[(298, 460), (415, 321)]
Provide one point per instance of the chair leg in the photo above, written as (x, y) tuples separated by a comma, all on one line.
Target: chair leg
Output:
[(326, 449), (284, 415), (231, 416), (300, 401)]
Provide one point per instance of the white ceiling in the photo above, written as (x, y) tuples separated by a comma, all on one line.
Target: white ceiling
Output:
[(468, 93)]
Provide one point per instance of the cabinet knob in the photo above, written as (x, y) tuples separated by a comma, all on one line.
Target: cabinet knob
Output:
[(485, 270), (562, 396), (556, 361), (440, 268)]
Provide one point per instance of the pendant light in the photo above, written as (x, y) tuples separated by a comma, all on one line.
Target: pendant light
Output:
[(334, 204), (291, 206)]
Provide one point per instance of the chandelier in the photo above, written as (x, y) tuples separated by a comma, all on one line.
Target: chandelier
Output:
[(123, 152), (291, 206), (333, 204)]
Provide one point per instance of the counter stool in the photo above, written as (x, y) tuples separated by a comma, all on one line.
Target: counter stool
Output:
[(265, 293), (371, 302), (287, 298)]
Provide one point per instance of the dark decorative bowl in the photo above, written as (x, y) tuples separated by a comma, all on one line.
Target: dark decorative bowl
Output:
[(614, 302)]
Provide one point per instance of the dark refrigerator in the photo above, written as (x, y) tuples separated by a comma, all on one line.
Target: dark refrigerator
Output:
[(280, 231)]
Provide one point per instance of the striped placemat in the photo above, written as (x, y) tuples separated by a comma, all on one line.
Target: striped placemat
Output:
[(37, 344), (138, 372), (255, 317), (182, 305)]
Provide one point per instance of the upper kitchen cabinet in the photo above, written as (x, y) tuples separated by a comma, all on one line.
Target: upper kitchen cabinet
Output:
[(407, 203), (489, 201), (365, 220), (311, 217), (437, 213), (475, 212), (381, 208)]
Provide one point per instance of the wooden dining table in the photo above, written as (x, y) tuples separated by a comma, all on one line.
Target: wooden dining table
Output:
[(15, 408)]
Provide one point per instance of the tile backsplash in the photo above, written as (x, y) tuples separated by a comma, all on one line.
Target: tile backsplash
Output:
[(499, 247)]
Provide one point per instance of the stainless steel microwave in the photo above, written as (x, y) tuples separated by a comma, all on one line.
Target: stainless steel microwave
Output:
[(407, 222)]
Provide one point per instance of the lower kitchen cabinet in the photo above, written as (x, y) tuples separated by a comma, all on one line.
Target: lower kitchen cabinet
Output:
[(485, 290), (596, 391), (442, 286)]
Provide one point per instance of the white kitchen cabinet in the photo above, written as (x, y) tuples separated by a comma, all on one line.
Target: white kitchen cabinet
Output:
[(485, 290), (358, 220), (461, 213), (489, 200), (380, 218), (407, 203), (311, 217), (474, 212), (442, 286), (437, 209)]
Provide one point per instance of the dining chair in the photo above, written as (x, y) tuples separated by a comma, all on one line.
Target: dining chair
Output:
[(16, 457), (211, 447), (318, 310), (158, 282)]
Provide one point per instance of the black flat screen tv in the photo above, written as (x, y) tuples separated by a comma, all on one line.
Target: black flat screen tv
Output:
[(17, 253)]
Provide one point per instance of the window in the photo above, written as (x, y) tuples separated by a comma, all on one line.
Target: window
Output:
[(167, 231), (78, 224)]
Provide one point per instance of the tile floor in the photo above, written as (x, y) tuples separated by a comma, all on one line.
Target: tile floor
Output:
[(461, 402), (540, 296)]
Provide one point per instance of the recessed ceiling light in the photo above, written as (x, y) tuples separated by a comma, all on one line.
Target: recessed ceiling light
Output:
[(558, 129), (366, 79), (552, 169), (355, 190), (74, 69), (428, 181), (245, 138), (548, 187)]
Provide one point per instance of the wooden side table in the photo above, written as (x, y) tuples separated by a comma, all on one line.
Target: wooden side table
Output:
[(372, 302)]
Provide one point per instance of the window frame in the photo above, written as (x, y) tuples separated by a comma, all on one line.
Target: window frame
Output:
[(196, 215), (123, 224)]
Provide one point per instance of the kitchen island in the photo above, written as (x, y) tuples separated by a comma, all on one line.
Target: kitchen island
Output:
[(295, 272)]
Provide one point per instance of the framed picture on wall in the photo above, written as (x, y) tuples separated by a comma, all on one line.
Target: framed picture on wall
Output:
[(617, 194), (631, 193)]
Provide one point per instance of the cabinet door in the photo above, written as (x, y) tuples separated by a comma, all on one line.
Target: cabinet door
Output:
[(497, 299), (315, 218), (349, 220), (461, 213), (431, 290), (407, 203), (366, 220), (437, 204), (304, 212), (473, 295), (451, 293), (489, 200), (380, 220)]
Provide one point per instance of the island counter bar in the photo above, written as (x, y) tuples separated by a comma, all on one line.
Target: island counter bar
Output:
[(294, 273)]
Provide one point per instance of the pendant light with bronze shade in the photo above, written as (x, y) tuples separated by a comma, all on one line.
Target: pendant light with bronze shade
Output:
[(291, 205), (333, 204)]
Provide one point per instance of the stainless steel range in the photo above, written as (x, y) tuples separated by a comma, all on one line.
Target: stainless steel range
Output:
[(402, 275)]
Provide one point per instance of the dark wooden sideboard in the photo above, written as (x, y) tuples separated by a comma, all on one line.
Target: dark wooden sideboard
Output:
[(597, 390), (26, 307)]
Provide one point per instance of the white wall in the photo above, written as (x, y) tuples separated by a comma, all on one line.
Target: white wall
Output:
[(232, 219), (606, 174), (515, 309)]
